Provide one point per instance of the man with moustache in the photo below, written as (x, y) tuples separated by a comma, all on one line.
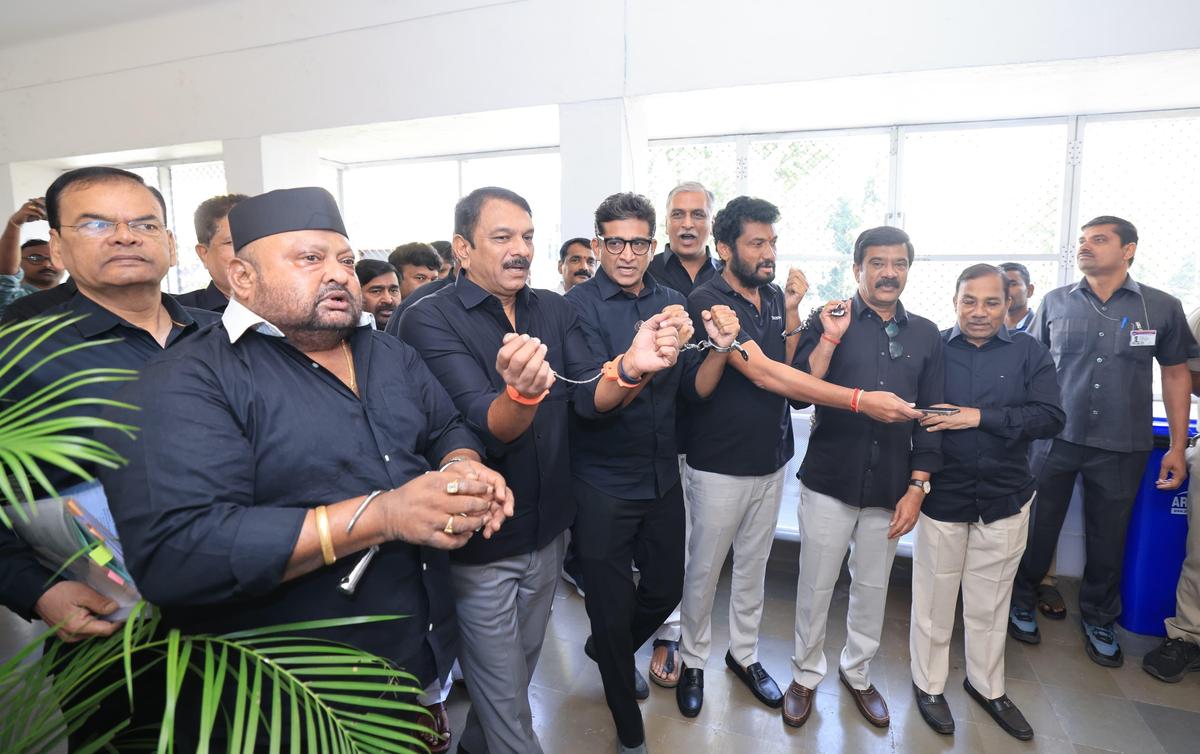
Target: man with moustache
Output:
[(576, 263), (973, 525), (625, 463), (289, 437), (214, 246), (1020, 290), (25, 268), (417, 264), (498, 347), (108, 229), (380, 285), (738, 447), (1103, 333), (863, 481)]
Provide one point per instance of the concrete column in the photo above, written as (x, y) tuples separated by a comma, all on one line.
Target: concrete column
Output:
[(602, 144), (264, 163)]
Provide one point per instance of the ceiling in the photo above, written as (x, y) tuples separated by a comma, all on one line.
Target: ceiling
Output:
[(25, 22)]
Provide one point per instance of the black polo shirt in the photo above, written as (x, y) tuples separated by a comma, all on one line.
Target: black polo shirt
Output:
[(631, 452), (209, 297), (238, 441), (985, 473), (666, 268), (862, 462), (458, 331), (23, 579), (741, 430), (1107, 382)]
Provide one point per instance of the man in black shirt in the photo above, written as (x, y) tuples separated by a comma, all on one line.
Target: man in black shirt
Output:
[(625, 463), (291, 436), (686, 261), (738, 446), (974, 522), (497, 346), (107, 229), (863, 481), (214, 246)]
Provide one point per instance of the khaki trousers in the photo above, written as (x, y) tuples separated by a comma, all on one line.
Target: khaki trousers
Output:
[(1186, 623), (982, 559)]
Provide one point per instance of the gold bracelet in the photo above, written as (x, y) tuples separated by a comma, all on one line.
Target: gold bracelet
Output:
[(327, 553)]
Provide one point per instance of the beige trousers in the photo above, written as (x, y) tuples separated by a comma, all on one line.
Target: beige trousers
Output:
[(982, 559), (827, 527), (728, 511), (1186, 623)]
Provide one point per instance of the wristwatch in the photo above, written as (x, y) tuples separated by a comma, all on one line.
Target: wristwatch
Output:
[(921, 484)]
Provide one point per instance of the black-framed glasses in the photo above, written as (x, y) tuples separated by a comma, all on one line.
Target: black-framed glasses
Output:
[(37, 258), (895, 347), (105, 228), (615, 244)]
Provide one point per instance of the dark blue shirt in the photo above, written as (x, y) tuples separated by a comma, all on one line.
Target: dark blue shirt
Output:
[(1107, 382), (628, 453), (741, 430), (862, 462), (458, 331), (425, 291), (985, 473), (209, 298), (23, 579), (666, 268), (237, 442)]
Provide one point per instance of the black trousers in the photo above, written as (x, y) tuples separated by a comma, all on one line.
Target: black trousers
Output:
[(1110, 485), (610, 534)]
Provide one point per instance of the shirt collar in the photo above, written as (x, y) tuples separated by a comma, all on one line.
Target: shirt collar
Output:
[(721, 284), (859, 308), (1130, 285), (237, 319), (472, 295), (670, 256), (1001, 334), (609, 288), (100, 320)]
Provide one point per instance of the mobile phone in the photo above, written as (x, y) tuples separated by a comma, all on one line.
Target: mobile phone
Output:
[(938, 411)]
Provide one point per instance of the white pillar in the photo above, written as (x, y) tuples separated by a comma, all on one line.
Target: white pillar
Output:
[(602, 144), (265, 163), (20, 182)]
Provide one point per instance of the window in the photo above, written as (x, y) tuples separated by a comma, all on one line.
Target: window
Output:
[(1144, 170), (190, 184), (413, 200)]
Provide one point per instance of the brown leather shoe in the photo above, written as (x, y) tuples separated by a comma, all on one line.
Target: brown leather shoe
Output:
[(870, 703), (797, 705)]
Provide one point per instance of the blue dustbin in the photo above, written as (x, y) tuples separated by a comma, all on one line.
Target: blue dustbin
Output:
[(1154, 546)]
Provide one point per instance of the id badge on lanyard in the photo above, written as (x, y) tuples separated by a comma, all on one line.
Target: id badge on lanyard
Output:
[(1143, 337)]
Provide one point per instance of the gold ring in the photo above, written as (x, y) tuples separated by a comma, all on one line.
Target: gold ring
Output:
[(449, 527), (452, 487)]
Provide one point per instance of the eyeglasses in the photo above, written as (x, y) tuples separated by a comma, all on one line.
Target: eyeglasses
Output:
[(895, 347), (106, 228), (615, 245), (37, 258)]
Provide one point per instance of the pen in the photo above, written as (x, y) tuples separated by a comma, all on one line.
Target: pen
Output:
[(1124, 321)]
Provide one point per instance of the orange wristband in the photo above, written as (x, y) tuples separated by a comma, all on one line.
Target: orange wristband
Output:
[(524, 401), (854, 399), (831, 340)]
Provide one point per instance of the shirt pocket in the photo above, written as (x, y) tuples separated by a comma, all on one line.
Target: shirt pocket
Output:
[(1068, 335)]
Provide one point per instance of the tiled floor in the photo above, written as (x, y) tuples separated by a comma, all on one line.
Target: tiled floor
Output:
[(1073, 704)]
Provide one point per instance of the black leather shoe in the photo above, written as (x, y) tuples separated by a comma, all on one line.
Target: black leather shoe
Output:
[(689, 694), (935, 711), (758, 681), (1004, 712), (641, 689)]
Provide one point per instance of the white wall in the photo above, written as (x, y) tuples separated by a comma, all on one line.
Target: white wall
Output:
[(229, 70)]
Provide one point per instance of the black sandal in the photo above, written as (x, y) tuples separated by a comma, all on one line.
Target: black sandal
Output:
[(669, 666), (1051, 603)]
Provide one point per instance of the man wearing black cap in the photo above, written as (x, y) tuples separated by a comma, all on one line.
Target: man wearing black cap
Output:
[(292, 436), (108, 229)]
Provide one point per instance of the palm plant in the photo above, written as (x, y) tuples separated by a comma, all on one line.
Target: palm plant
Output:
[(258, 688)]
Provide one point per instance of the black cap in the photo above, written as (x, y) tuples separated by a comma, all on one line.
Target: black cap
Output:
[(282, 211)]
